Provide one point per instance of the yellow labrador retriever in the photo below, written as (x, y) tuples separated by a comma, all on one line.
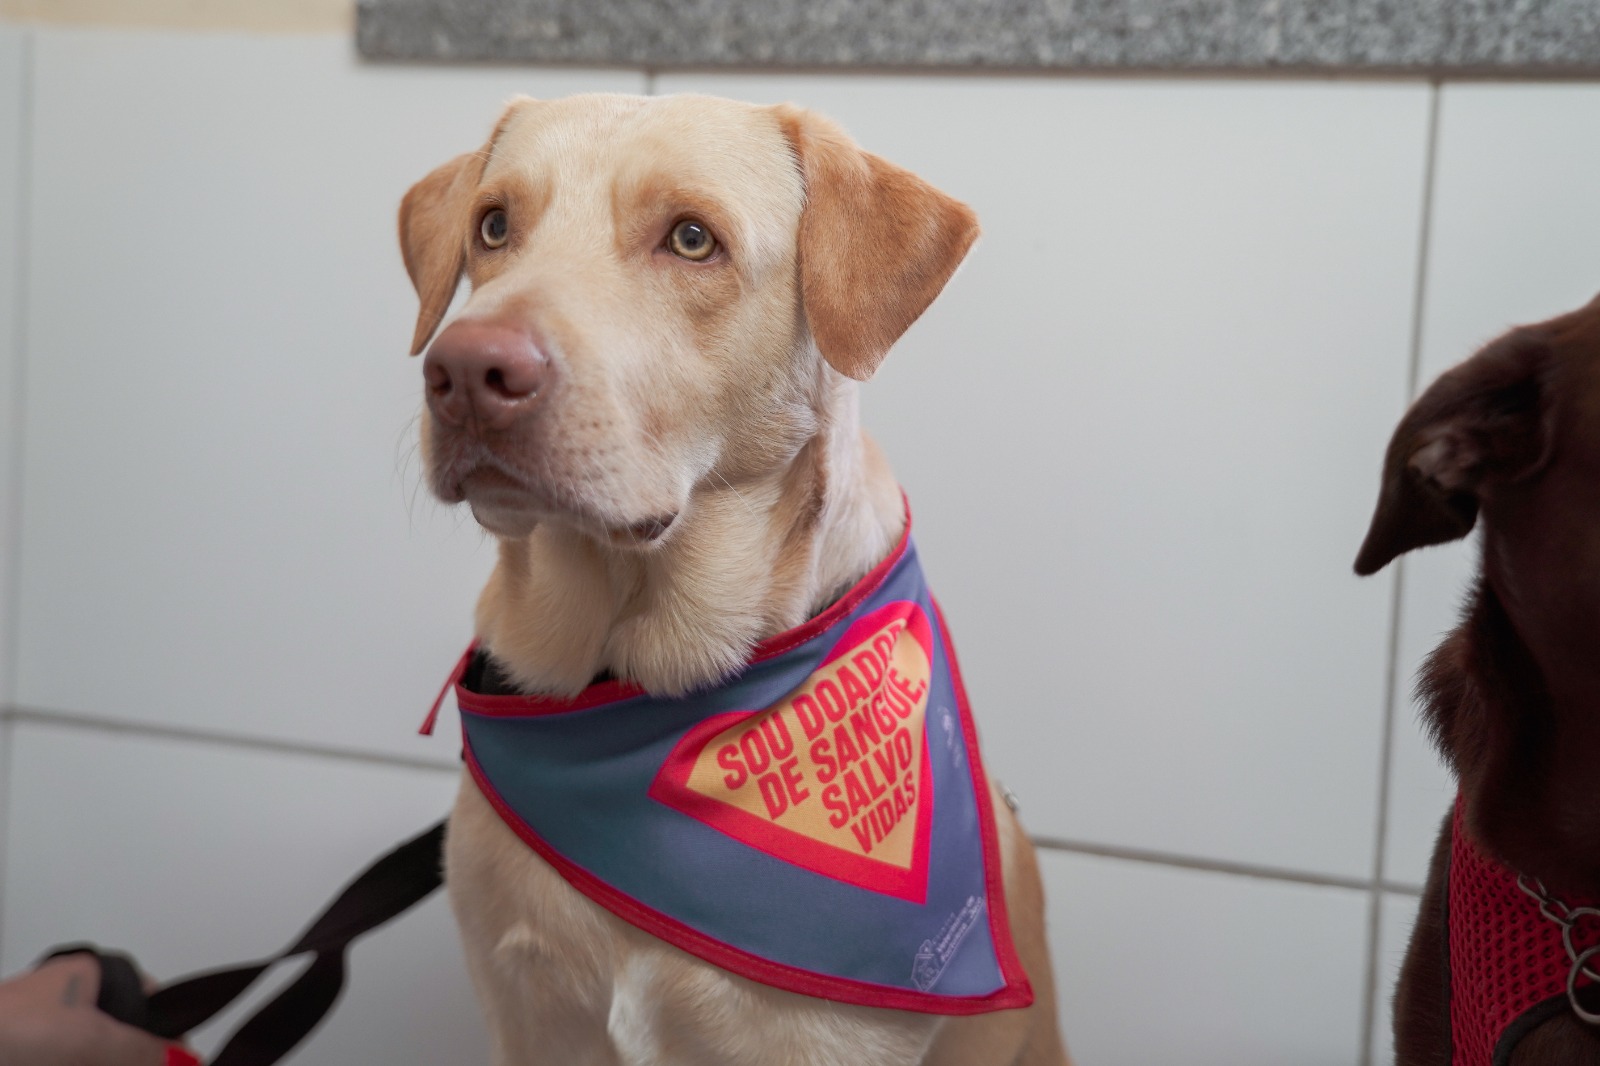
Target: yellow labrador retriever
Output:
[(649, 398)]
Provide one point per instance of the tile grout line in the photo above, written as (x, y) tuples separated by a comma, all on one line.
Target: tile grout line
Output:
[(1369, 1000), (1425, 240), (100, 724), (12, 582), (93, 723), (1369, 1010), (1221, 866)]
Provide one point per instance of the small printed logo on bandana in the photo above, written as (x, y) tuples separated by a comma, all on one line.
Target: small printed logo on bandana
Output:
[(935, 954), (834, 777)]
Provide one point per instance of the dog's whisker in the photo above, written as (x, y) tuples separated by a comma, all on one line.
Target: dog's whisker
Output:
[(749, 508), (407, 446)]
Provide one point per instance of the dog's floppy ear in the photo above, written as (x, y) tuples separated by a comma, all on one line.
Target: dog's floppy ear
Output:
[(1481, 422), (435, 225), (435, 217), (876, 243)]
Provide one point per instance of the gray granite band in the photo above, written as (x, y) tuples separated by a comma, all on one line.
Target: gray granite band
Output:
[(1439, 37)]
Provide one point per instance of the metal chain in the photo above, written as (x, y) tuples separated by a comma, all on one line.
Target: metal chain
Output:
[(1567, 917)]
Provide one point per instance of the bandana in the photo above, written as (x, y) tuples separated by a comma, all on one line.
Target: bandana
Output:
[(819, 822)]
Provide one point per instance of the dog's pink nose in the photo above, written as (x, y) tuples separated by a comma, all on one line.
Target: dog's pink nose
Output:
[(487, 373)]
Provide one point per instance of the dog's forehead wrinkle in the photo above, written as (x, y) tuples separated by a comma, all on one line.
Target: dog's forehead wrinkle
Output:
[(557, 137), (636, 151)]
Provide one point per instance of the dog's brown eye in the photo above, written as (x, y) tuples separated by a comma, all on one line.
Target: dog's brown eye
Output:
[(494, 227), (691, 240)]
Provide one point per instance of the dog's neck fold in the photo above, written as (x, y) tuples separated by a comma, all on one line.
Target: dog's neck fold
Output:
[(743, 562), (1517, 712)]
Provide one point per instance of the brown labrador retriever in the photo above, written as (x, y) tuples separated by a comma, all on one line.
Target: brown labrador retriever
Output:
[(1511, 439), (649, 399)]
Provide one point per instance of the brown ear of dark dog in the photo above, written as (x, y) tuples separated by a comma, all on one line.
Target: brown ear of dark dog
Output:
[(877, 243), (1479, 425)]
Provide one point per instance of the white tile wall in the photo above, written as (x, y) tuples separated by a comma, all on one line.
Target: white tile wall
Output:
[(1140, 430), (1421, 789), (1159, 964), (1396, 915), (1515, 216), (223, 522), (13, 102), (1516, 238), (197, 854)]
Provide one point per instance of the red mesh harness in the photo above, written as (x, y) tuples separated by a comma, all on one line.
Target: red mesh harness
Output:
[(1508, 963)]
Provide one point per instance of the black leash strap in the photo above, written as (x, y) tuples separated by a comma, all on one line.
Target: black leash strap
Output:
[(389, 887)]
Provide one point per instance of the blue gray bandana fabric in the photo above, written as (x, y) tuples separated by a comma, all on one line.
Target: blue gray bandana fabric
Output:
[(819, 822)]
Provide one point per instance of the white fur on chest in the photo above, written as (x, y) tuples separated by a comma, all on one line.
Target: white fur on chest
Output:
[(564, 981)]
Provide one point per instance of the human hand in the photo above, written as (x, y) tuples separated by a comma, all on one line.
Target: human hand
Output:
[(48, 1018)]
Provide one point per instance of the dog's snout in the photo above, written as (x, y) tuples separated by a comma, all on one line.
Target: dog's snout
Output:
[(488, 373)]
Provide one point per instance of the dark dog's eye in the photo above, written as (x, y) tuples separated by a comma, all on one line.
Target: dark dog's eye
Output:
[(691, 240), (494, 227)]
